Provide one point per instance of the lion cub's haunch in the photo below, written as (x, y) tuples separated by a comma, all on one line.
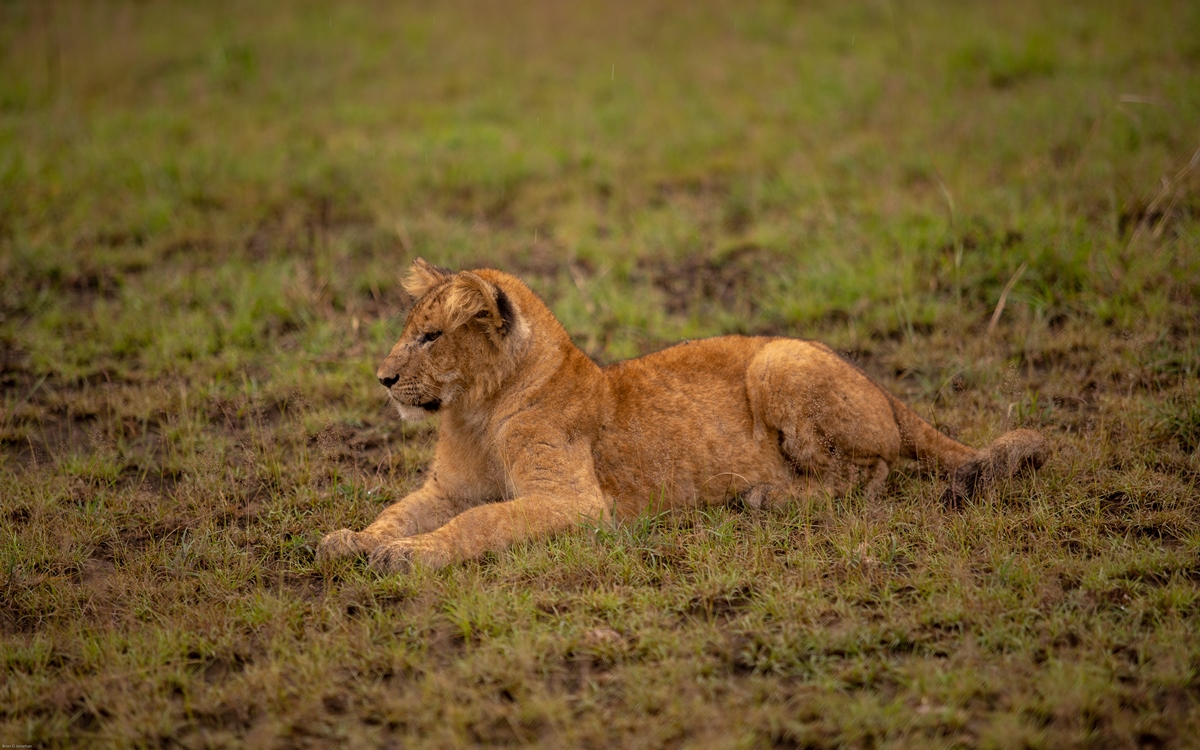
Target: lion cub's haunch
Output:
[(535, 437)]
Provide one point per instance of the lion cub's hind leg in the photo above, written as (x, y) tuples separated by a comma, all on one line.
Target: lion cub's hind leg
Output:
[(779, 496), (835, 480), (876, 479), (770, 496), (835, 427)]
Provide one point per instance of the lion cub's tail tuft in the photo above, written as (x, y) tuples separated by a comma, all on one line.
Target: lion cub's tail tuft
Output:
[(1010, 454), (968, 469)]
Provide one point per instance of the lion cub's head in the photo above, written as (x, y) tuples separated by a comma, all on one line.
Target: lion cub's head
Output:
[(462, 336)]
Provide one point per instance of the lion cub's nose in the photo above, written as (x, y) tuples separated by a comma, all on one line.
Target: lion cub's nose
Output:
[(389, 382)]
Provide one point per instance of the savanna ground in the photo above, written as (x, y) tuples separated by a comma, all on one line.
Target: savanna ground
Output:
[(204, 210)]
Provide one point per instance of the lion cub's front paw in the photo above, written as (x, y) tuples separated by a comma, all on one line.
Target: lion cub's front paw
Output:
[(399, 555), (341, 544)]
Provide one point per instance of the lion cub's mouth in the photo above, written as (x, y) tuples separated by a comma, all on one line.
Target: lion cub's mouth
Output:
[(430, 406)]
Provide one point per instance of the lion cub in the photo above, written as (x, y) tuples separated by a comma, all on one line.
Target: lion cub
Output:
[(535, 437)]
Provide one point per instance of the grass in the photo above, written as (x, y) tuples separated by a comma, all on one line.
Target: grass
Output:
[(204, 212)]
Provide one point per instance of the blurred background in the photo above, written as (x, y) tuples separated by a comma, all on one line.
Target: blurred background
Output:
[(654, 171)]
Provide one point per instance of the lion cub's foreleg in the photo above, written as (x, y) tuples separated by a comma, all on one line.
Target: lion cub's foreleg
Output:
[(556, 489), (488, 528), (418, 513)]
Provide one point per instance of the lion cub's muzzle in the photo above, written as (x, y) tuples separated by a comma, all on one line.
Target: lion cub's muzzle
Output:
[(410, 396), (406, 395)]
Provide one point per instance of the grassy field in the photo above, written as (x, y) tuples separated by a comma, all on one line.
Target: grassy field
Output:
[(994, 209)]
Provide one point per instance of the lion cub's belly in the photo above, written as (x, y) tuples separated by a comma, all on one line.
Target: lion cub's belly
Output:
[(681, 431)]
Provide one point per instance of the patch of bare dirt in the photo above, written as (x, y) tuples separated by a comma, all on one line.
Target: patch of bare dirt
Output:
[(50, 438), (14, 370), (238, 415), (365, 447), (730, 282), (721, 605)]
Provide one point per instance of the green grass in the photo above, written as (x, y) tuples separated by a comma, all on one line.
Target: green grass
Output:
[(204, 213)]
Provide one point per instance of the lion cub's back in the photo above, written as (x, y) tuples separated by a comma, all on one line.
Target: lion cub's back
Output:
[(681, 428)]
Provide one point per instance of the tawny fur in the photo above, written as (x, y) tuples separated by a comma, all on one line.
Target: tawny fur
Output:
[(535, 438)]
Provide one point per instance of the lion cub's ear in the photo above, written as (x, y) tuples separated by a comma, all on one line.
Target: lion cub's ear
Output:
[(472, 296), (423, 276)]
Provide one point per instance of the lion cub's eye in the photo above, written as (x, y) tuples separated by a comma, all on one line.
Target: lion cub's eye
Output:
[(428, 337)]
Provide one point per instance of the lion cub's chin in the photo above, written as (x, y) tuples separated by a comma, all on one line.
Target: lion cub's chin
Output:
[(413, 413)]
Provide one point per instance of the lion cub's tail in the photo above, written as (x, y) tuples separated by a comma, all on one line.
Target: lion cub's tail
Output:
[(968, 469), (1008, 455)]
